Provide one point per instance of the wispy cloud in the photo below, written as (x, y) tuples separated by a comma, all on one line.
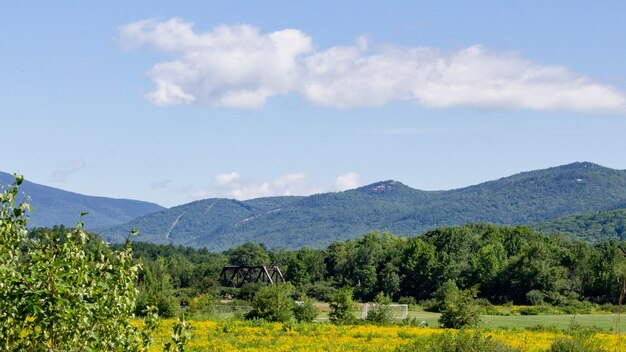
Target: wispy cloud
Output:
[(224, 180), (67, 168), (231, 185), (164, 184), (347, 181), (238, 66)]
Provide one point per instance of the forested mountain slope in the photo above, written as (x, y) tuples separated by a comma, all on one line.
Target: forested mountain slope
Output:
[(317, 220), (53, 206), (590, 227)]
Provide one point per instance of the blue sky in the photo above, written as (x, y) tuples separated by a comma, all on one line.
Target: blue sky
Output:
[(175, 101)]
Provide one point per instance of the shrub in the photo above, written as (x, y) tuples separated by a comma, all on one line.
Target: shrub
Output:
[(535, 297), (248, 290), (462, 341), (381, 310), (156, 290), (342, 306), (409, 300), (575, 344), (201, 306), (537, 310), (305, 310), (459, 309), (55, 296), (273, 303)]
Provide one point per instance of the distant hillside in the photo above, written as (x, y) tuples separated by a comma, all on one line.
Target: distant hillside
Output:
[(52, 206), (318, 220), (590, 227)]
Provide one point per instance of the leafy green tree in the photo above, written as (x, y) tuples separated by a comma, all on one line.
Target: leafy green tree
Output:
[(381, 310), (156, 290), (249, 254), (460, 309), (54, 296), (416, 270), (273, 303), (342, 306)]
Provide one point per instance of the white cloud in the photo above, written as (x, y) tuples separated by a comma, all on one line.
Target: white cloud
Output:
[(232, 185), (239, 67), (233, 66), (286, 185), (347, 181), (226, 179), (67, 168)]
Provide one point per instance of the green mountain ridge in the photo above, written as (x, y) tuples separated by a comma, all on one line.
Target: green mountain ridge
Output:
[(53, 206), (591, 227), (318, 220)]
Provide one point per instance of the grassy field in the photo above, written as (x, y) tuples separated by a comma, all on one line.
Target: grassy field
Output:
[(606, 322), (603, 321)]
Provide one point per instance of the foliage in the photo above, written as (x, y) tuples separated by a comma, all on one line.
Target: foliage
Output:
[(503, 264), (459, 309), (156, 290), (180, 336), (577, 344), (462, 341), (249, 254), (273, 303), (342, 306), (55, 296), (381, 311), (592, 227), (201, 306), (305, 309)]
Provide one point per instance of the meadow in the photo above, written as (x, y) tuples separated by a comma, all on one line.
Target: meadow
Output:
[(237, 335), (606, 322)]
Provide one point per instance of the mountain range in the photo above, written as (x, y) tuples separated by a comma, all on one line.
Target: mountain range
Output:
[(52, 206), (582, 200), (317, 220)]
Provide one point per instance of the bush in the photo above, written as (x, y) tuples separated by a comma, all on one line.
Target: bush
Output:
[(381, 310), (537, 310), (248, 290), (156, 290), (342, 306), (461, 341), (439, 296), (535, 297), (305, 310), (409, 300), (202, 306), (55, 296), (575, 344), (459, 309), (273, 303)]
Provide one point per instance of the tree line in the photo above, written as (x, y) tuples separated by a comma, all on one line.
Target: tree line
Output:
[(501, 264)]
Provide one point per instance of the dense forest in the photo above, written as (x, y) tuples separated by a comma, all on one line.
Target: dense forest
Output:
[(591, 227), (501, 264)]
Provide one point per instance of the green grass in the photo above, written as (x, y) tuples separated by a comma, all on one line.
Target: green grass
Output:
[(600, 321), (563, 321)]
